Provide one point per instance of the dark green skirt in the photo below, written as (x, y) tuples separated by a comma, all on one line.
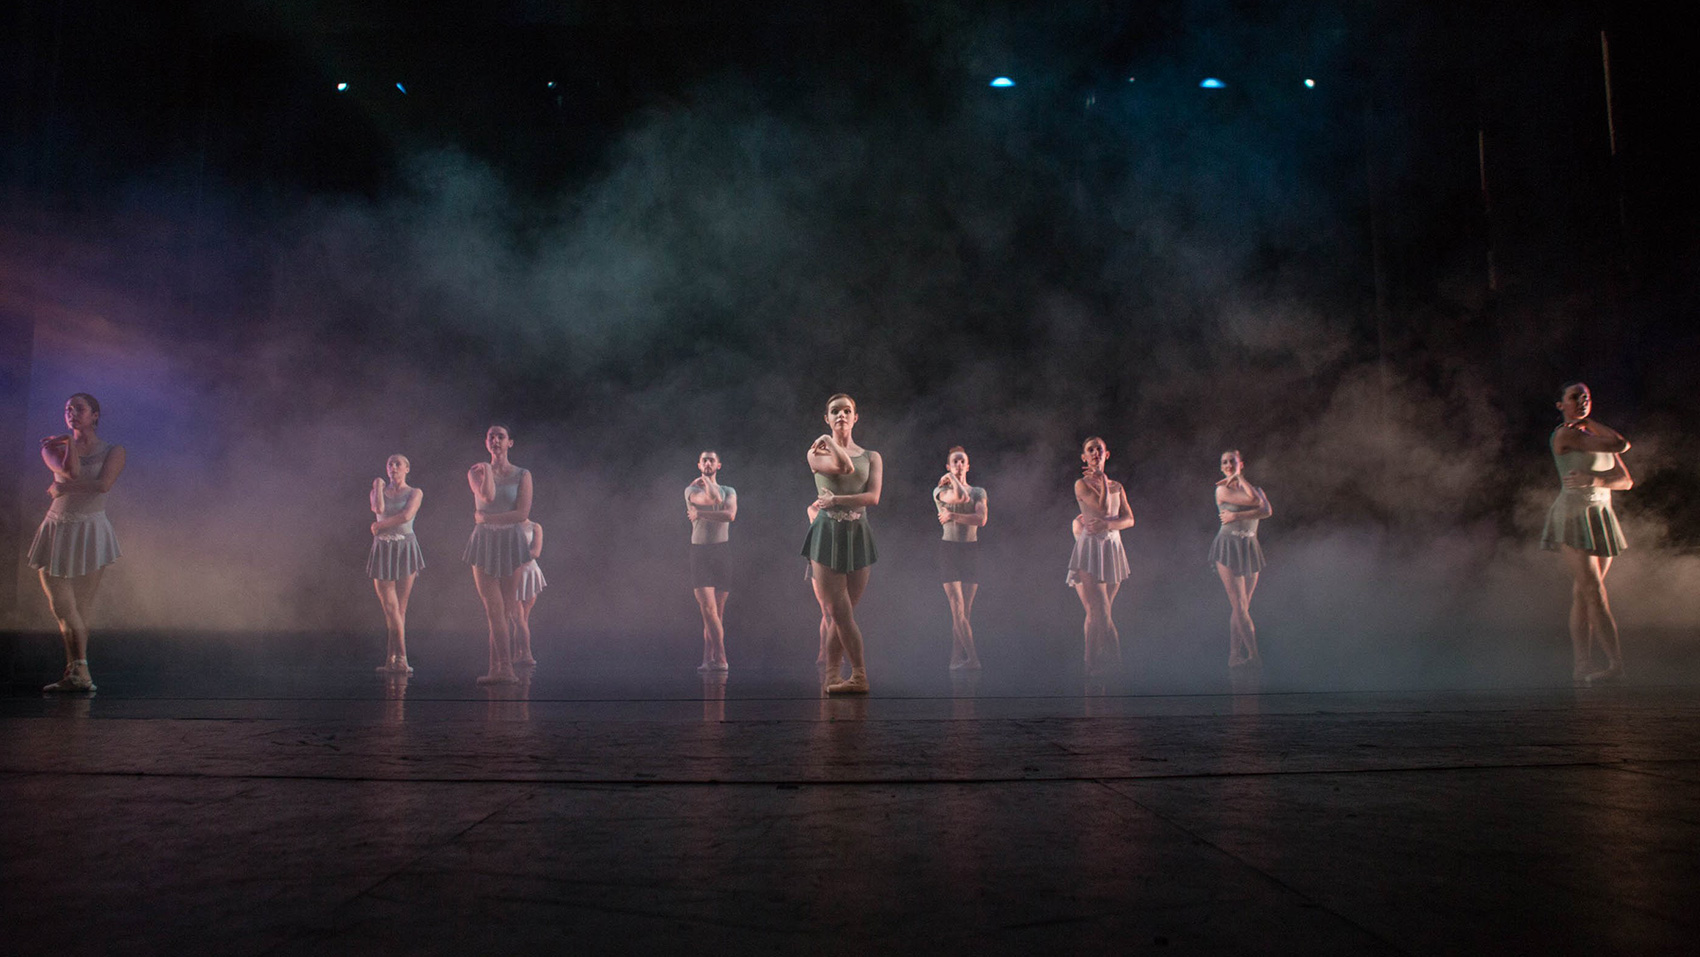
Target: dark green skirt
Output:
[(840, 546)]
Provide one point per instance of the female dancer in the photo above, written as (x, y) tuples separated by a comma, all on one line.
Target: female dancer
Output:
[(711, 509), (1098, 564), (1238, 558), (1582, 525), (962, 512), (395, 560), (75, 541), (840, 546), (501, 493), (531, 584)]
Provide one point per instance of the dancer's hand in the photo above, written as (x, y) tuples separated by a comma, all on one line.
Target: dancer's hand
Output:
[(691, 512), (1579, 479), (478, 470), (825, 501), (59, 441), (944, 517), (56, 490), (375, 528), (823, 445), (1228, 517)]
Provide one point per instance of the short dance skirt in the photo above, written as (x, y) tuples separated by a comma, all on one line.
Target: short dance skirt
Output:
[(1583, 518), (69, 546), (711, 566), (531, 583), (1099, 556), (393, 559), (841, 545), (1240, 553), (959, 562), (497, 549)]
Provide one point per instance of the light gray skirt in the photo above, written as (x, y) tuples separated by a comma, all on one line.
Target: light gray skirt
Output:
[(393, 559), (531, 583), (74, 545), (498, 549), (1098, 556)]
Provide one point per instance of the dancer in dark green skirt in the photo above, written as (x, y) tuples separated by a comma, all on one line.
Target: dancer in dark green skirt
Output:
[(1582, 526), (840, 546)]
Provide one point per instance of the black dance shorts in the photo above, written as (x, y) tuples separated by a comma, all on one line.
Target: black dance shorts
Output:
[(959, 562), (711, 566)]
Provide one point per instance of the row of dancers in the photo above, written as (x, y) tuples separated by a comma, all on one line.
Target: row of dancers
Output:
[(76, 542)]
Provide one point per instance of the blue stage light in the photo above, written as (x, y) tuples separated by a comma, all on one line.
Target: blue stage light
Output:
[(342, 87), (1002, 81), (1310, 84), (403, 89), (1211, 83), (550, 84)]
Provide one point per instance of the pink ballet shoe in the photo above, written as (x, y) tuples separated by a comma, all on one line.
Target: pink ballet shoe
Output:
[(72, 680), (857, 683), (1612, 674)]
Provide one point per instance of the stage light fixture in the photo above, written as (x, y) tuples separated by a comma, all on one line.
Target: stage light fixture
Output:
[(1002, 81), (342, 87), (1310, 84), (403, 89), (1211, 83), (550, 84)]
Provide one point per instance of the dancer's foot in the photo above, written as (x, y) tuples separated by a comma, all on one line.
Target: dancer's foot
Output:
[(857, 683), (76, 678), (1612, 674), (525, 662), (971, 664), (499, 678)]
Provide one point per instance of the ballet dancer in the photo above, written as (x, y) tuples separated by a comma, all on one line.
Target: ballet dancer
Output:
[(1582, 526), (840, 545), (501, 493), (1098, 564), (1237, 556), (531, 584), (395, 560), (962, 512), (75, 541), (711, 508)]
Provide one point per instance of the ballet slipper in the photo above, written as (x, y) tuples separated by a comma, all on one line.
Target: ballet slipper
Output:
[(74, 679), (1612, 674), (857, 683)]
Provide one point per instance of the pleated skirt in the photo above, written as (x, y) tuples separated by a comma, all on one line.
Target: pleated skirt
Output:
[(74, 545), (1099, 556), (392, 560), (531, 583), (1583, 518), (497, 549), (1240, 553), (840, 546)]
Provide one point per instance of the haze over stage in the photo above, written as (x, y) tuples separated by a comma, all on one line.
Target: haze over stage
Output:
[(307, 809)]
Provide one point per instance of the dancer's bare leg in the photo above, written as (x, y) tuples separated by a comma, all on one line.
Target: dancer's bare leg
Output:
[(835, 590), (495, 591), (712, 603), (1093, 599), (70, 600), (520, 624), (403, 591), (389, 600), (1112, 637), (961, 598), (1598, 624)]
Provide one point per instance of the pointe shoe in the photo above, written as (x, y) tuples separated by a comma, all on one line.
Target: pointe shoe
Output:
[(71, 680), (857, 683)]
